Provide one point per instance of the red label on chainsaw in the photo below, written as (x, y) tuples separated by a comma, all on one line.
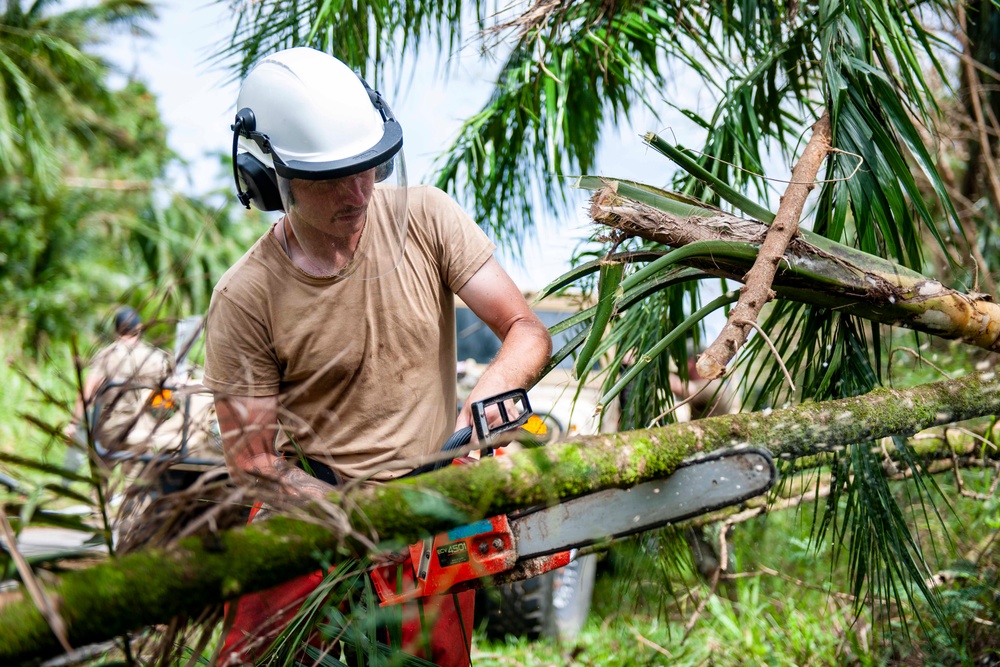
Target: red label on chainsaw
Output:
[(453, 554)]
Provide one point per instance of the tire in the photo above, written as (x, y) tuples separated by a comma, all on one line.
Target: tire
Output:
[(553, 605), (554, 428), (520, 609)]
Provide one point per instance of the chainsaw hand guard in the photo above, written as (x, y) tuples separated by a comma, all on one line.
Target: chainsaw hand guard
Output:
[(508, 423)]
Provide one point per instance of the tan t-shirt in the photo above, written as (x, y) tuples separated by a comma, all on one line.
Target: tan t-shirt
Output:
[(364, 369), (133, 371)]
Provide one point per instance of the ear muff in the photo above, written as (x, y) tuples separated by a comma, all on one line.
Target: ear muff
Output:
[(255, 182), (259, 181)]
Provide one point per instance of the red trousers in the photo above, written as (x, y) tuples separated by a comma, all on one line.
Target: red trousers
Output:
[(258, 618)]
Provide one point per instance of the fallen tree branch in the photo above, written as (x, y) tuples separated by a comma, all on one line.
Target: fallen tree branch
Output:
[(814, 269), (149, 587), (957, 468), (756, 291)]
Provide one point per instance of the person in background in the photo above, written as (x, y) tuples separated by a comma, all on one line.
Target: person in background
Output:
[(330, 345), (123, 377)]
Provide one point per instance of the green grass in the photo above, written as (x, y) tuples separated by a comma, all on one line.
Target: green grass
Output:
[(753, 629)]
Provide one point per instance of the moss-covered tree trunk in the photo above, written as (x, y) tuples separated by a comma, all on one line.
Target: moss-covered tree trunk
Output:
[(151, 587)]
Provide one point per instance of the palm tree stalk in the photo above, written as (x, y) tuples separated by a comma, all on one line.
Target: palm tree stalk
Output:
[(757, 291)]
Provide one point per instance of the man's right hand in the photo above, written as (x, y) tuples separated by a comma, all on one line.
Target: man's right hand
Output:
[(248, 425)]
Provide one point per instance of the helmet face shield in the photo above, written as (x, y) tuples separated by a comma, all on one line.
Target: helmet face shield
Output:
[(390, 189), (322, 215)]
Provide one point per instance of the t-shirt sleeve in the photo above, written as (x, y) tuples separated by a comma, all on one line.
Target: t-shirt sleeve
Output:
[(239, 357), (99, 364), (462, 246)]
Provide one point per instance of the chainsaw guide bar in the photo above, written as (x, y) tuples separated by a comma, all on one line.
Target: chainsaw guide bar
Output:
[(525, 544), (721, 479)]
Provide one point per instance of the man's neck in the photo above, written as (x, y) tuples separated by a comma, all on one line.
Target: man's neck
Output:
[(332, 256)]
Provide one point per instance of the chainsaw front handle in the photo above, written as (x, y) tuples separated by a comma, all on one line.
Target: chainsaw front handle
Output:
[(507, 423)]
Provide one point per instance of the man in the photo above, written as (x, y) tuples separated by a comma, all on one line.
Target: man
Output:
[(122, 377), (331, 343)]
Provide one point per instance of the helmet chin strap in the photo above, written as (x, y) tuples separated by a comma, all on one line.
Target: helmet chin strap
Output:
[(284, 236)]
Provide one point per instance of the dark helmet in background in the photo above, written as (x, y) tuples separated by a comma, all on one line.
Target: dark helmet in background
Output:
[(127, 321)]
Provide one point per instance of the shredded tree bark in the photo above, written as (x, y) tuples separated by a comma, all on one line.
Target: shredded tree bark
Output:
[(757, 290), (150, 587)]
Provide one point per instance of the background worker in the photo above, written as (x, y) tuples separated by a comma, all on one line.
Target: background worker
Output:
[(122, 376), (331, 343)]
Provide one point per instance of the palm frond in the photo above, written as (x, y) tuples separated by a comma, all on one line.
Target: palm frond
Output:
[(367, 35), (48, 81), (870, 119), (543, 120)]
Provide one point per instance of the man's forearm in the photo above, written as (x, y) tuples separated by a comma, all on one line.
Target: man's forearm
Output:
[(523, 354), (285, 477), (526, 349), (249, 426)]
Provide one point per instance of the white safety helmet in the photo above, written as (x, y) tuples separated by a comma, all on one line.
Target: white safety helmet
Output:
[(303, 114)]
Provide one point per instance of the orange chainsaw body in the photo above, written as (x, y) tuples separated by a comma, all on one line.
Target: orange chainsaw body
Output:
[(456, 560)]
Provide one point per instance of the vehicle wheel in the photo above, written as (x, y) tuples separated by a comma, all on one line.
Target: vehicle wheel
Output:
[(521, 609), (572, 590), (554, 604), (554, 428)]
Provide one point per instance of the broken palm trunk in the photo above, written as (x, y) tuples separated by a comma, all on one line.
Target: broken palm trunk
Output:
[(814, 269), (150, 587)]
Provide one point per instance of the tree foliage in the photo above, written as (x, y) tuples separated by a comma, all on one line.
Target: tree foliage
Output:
[(85, 218), (54, 91)]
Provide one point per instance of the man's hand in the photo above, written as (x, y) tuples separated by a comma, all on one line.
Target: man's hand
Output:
[(248, 425), (526, 344), (291, 479)]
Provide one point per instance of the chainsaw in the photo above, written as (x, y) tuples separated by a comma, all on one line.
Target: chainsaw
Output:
[(527, 543)]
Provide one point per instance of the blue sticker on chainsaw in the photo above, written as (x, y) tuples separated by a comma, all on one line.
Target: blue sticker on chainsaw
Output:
[(477, 528)]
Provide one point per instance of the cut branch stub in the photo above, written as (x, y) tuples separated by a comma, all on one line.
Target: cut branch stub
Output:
[(757, 291)]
